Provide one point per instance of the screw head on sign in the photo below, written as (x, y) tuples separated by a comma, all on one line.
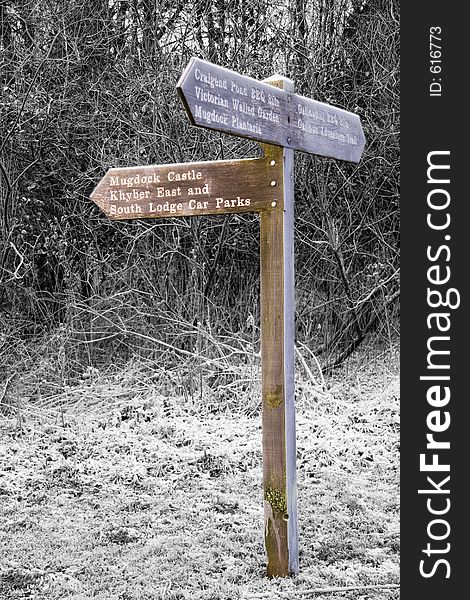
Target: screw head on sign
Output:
[(273, 183), (274, 204)]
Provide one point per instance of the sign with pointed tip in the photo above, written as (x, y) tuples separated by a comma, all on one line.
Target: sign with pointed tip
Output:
[(268, 112), (190, 189), (220, 99)]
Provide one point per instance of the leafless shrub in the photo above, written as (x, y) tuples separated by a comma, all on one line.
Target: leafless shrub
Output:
[(87, 86)]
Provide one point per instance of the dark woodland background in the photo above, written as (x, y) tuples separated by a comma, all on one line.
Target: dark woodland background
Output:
[(85, 86)]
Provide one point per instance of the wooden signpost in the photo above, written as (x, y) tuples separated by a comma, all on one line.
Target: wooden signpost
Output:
[(271, 113)]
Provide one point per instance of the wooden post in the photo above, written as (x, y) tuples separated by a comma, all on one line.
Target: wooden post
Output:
[(277, 366), (242, 106)]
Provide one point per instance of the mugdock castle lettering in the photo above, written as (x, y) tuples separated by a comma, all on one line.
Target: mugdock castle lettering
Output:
[(189, 189), (271, 113), (217, 98)]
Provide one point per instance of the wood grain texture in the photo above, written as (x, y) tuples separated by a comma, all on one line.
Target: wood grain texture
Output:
[(277, 365), (189, 189), (221, 99)]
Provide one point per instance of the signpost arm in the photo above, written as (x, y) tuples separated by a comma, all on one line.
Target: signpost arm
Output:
[(223, 100), (277, 348)]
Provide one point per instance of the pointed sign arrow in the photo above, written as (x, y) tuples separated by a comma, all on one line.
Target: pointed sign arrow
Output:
[(220, 99), (190, 189), (268, 112)]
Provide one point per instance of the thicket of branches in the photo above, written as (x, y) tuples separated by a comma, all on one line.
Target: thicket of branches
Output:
[(90, 85)]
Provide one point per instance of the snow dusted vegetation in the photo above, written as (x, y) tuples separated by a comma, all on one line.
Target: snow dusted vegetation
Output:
[(128, 485)]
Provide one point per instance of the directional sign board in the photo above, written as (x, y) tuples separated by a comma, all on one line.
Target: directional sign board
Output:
[(217, 98), (190, 189), (268, 112)]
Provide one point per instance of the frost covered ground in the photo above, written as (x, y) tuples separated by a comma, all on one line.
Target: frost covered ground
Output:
[(116, 489)]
